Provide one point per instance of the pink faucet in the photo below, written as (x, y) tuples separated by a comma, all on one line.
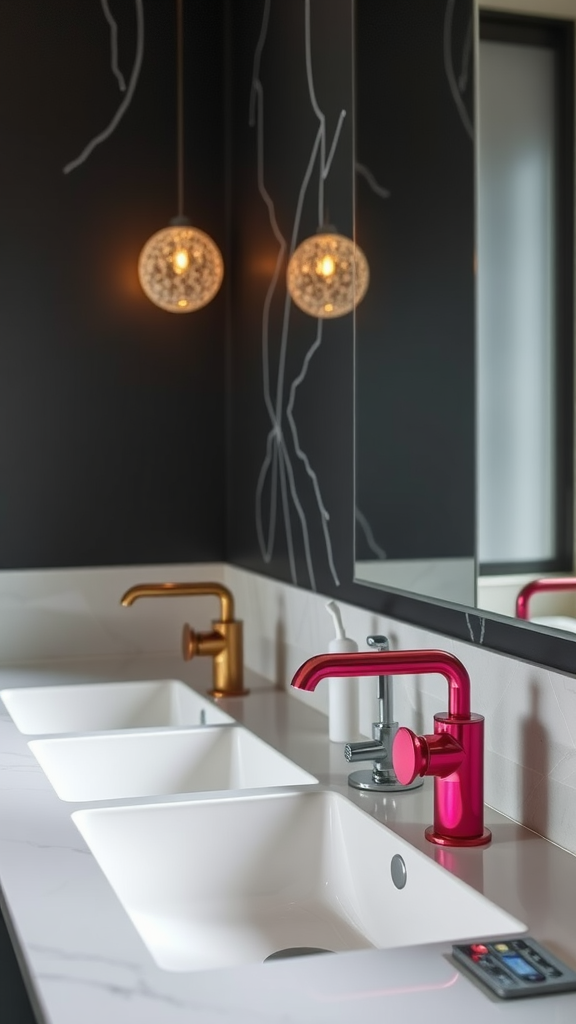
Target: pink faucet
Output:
[(542, 586), (454, 754)]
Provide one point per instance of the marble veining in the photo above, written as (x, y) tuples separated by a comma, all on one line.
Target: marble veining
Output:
[(113, 976), (30, 844)]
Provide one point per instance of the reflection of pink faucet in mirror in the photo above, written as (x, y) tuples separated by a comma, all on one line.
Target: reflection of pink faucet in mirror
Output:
[(454, 754), (542, 586)]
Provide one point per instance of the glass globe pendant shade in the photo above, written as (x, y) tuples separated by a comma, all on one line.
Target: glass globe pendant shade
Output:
[(327, 275), (180, 268)]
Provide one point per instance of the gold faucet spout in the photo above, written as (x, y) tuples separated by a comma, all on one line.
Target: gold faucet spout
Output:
[(183, 590), (223, 644)]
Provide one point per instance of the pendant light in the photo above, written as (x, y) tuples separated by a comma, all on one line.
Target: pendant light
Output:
[(327, 274), (180, 267)]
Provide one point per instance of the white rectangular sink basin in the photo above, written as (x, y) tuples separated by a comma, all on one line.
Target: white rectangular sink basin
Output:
[(217, 883), (92, 707), (119, 765)]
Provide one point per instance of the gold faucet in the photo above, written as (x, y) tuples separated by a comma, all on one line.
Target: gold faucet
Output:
[(223, 643)]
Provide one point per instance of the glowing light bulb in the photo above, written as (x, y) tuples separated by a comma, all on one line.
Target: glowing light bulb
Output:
[(327, 266), (181, 261), (327, 275), (180, 269)]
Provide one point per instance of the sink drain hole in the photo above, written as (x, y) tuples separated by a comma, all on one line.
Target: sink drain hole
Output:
[(282, 954)]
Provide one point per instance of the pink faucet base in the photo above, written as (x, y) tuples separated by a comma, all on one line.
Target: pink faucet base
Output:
[(453, 754), (434, 837)]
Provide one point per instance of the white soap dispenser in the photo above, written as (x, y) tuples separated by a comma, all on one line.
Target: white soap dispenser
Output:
[(342, 691)]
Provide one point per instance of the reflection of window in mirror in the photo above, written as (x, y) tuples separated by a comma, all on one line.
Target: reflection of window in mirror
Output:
[(525, 297)]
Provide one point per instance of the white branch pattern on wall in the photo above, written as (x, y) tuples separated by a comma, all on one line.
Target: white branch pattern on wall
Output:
[(129, 93), (369, 537), (457, 86), (277, 467), (482, 624), (366, 173), (113, 46)]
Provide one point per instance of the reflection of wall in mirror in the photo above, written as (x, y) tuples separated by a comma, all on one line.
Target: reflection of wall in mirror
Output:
[(415, 473), (445, 579)]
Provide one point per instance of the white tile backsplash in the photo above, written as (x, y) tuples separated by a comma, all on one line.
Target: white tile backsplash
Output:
[(67, 613)]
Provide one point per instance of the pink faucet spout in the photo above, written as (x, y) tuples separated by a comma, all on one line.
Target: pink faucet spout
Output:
[(376, 663), (542, 586)]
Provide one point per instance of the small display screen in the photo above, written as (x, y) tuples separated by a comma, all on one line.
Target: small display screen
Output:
[(521, 967)]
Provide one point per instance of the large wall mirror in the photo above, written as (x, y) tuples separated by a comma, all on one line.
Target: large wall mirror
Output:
[(464, 206)]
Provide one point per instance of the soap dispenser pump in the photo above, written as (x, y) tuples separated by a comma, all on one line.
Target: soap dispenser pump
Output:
[(342, 693)]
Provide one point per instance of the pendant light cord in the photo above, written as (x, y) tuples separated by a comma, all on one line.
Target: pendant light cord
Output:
[(180, 105)]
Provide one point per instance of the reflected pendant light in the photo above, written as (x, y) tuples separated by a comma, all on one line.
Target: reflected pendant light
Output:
[(327, 274), (180, 267)]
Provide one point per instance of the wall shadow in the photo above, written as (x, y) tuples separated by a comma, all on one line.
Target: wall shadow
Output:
[(535, 757), (280, 646), (534, 891)]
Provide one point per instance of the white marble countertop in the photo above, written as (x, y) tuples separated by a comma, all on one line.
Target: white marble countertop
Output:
[(83, 960)]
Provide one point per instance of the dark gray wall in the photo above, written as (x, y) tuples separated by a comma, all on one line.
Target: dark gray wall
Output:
[(112, 442)]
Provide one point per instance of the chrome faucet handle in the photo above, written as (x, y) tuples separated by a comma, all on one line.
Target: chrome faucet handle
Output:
[(366, 750), (378, 642), (382, 777), (385, 695)]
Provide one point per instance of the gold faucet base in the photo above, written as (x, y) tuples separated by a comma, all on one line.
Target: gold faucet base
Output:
[(218, 694), (224, 644)]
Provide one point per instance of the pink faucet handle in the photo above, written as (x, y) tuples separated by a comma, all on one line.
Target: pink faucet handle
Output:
[(413, 755), (409, 755)]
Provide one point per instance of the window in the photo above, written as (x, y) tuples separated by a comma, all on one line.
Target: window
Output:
[(525, 295)]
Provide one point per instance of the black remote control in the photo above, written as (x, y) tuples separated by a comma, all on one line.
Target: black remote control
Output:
[(513, 968)]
